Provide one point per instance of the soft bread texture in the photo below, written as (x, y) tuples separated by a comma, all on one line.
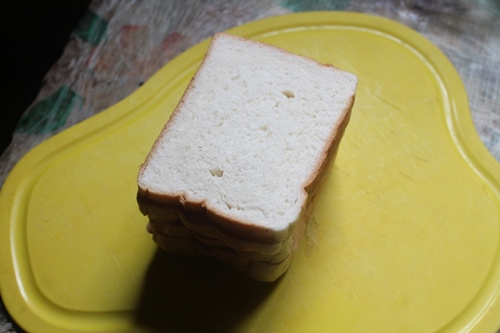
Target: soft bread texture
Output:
[(235, 170)]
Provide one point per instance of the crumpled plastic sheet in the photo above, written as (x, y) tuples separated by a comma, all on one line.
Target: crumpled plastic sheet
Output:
[(119, 44)]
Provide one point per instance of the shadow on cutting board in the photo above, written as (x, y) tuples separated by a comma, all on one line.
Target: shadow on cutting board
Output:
[(197, 295)]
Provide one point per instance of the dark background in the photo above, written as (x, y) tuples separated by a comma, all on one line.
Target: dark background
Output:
[(34, 34)]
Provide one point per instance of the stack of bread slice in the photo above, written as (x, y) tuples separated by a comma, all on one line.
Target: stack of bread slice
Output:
[(234, 173)]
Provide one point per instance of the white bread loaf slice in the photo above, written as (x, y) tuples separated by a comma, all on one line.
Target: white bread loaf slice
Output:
[(242, 156)]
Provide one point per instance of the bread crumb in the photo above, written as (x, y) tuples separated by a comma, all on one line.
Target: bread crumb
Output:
[(311, 236)]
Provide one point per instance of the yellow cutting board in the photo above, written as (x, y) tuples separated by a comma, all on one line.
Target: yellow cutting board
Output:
[(405, 235)]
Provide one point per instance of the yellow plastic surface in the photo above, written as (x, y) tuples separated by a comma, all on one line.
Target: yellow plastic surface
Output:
[(405, 235)]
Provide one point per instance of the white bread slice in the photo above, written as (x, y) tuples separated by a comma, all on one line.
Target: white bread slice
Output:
[(242, 156)]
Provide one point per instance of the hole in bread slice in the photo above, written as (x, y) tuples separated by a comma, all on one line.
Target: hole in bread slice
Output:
[(216, 172)]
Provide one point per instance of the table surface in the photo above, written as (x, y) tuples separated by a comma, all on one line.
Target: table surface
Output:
[(118, 45)]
